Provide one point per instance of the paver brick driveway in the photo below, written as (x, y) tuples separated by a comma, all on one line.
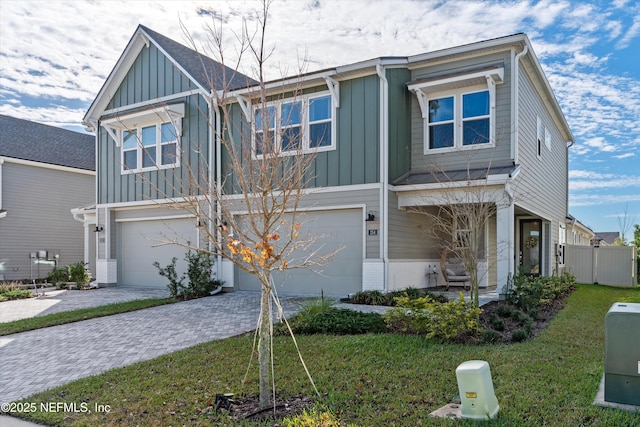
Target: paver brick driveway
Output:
[(34, 361)]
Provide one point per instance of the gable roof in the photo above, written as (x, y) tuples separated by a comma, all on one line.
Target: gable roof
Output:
[(607, 236), (206, 73), (26, 140)]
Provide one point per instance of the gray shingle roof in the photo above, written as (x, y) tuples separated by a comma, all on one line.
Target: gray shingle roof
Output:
[(26, 140), (203, 69)]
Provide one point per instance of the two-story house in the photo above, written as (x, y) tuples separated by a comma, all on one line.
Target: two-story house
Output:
[(390, 135), (45, 172)]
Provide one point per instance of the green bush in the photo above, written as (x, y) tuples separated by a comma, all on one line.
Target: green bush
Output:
[(388, 299), (505, 310), (520, 335), (200, 281), (529, 292), (369, 298), (490, 336), (58, 275), (496, 322), (434, 319), (78, 273), (321, 317), (15, 294)]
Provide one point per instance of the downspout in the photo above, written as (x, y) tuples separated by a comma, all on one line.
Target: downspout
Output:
[(1, 162), (214, 141), (515, 100), (384, 171)]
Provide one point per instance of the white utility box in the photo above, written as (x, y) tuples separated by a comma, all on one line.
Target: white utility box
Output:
[(476, 390), (622, 354)]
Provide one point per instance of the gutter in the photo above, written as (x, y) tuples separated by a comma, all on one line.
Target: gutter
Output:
[(384, 172), (515, 97)]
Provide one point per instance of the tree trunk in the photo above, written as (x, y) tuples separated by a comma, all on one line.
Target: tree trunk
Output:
[(264, 344)]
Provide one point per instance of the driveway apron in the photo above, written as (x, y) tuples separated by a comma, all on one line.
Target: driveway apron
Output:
[(31, 362)]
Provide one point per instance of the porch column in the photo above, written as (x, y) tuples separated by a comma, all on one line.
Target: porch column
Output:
[(86, 243), (505, 240)]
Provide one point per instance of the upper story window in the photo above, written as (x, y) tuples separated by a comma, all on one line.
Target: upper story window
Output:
[(150, 147), (148, 139), (305, 123), (459, 111), (459, 120)]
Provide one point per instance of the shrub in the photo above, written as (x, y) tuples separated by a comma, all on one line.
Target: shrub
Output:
[(312, 419), (78, 273), (319, 316), (201, 282), (58, 275), (175, 284), (369, 298), (505, 310), (529, 292), (15, 294), (489, 336), (496, 322), (342, 321), (434, 319), (520, 335)]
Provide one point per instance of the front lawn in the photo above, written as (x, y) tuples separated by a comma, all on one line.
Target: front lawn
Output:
[(368, 380), (80, 314)]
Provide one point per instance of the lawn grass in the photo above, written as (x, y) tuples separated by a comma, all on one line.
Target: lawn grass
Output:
[(55, 319), (369, 380)]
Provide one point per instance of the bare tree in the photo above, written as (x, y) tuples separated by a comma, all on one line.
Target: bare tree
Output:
[(625, 224), (251, 213), (459, 212)]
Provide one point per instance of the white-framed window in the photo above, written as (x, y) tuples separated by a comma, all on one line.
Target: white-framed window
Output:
[(458, 120), (150, 147), (305, 123), (539, 136), (547, 138), (458, 112), (148, 139)]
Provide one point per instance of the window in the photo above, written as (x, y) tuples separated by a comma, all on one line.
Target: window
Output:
[(547, 138), (540, 136), (302, 124), (458, 110), (461, 120), (149, 147)]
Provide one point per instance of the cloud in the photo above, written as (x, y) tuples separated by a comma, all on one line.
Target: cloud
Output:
[(600, 199), (625, 156)]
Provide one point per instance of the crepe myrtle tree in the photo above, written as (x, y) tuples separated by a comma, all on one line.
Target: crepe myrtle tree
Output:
[(251, 213)]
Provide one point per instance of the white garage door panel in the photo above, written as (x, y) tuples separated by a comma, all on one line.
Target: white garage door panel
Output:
[(138, 250), (342, 230)]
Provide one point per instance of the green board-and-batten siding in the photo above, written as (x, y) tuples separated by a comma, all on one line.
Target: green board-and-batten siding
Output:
[(151, 76), (355, 159), (399, 112)]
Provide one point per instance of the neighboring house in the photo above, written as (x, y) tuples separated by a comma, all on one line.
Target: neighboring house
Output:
[(578, 233), (605, 238), (45, 171), (393, 135)]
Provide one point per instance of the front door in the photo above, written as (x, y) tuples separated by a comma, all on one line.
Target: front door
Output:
[(530, 246)]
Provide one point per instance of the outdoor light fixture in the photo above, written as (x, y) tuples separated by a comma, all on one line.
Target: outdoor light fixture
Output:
[(476, 390), (371, 216), (99, 228)]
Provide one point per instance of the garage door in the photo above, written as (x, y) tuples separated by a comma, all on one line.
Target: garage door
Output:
[(138, 250), (343, 275)]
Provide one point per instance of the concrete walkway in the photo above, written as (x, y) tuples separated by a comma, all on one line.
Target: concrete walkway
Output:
[(57, 301)]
